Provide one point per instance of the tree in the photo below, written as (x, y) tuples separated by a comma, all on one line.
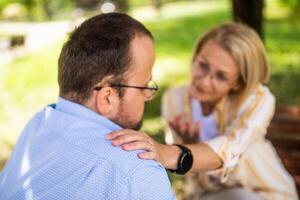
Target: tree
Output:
[(122, 5), (157, 4), (249, 12), (87, 4), (294, 5), (52, 7)]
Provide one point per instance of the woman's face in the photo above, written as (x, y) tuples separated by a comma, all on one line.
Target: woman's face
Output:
[(214, 74)]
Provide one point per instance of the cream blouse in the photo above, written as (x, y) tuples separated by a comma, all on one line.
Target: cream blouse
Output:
[(249, 160)]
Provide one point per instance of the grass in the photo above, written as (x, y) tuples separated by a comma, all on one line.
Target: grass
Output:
[(29, 83)]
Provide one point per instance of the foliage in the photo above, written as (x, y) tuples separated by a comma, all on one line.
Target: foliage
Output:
[(40, 9), (293, 5), (135, 3)]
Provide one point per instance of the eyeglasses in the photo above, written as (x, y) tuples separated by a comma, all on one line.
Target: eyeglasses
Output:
[(202, 69), (149, 90)]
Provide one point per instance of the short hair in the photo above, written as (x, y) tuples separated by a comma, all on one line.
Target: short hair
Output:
[(99, 48), (246, 48)]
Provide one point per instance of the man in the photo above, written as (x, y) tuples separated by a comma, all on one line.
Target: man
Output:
[(104, 77)]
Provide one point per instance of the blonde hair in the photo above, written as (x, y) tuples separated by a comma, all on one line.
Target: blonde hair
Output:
[(248, 52)]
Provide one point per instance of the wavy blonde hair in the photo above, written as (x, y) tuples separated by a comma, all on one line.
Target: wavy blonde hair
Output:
[(249, 54)]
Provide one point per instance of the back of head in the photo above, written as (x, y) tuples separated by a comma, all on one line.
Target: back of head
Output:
[(247, 50), (98, 49)]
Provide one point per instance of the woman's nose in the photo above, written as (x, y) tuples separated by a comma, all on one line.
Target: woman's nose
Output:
[(206, 80)]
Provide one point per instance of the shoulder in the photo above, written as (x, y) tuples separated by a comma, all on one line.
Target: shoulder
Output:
[(267, 93), (91, 140), (262, 92), (260, 102), (88, 138), (260, 96)]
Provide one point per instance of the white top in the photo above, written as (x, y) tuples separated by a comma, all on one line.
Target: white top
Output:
[(208, 126)]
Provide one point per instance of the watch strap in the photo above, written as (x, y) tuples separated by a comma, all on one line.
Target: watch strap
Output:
[(185, 160)]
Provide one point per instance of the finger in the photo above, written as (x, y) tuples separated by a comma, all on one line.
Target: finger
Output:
[(189, 131), (130, 137), (183, 127), (138, 145), (115, 134), (174, 126), (177, 119), (171, 121), (174, 123), (194, 130), (147, 155), (197, 128)]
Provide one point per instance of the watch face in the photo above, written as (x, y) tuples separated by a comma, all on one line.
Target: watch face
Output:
[(187, 161)]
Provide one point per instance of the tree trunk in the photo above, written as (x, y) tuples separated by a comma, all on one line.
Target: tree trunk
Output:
[(297, 9), (47, 9), (249, 12), (122, 5), (87, 4), (157, 4)]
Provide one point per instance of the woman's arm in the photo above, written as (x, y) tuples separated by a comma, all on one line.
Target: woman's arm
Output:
[(204, 157)]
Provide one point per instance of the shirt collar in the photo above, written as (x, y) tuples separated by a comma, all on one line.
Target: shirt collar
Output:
[(83, 112)]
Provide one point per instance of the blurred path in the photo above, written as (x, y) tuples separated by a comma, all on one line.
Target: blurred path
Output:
[(37, 35)]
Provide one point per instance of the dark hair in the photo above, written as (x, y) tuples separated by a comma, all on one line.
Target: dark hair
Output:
[(99, 48)]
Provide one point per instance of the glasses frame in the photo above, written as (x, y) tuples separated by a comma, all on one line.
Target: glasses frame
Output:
[(155, 88)]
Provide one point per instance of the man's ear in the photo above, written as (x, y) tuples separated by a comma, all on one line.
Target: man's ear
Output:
[(107, 102)]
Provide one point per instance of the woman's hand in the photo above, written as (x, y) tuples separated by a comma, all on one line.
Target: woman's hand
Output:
[(129, 140), (188, 131), (133, 140)]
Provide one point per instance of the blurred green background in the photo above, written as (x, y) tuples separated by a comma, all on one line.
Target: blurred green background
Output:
[(28, 81)]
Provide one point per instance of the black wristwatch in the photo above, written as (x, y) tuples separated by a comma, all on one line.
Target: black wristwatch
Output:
[(185, 161)]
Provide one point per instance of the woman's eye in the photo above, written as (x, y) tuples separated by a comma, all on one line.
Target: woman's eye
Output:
[(203, 66), (221, 77)]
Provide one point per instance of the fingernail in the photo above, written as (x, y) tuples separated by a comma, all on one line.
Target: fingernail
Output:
[(141, 155)]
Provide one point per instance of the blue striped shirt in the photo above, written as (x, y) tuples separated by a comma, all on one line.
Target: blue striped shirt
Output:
[(62, 154)]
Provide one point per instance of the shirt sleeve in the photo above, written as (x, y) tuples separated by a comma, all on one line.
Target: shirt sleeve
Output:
[(150, 181), (172, 105), (249, 126)]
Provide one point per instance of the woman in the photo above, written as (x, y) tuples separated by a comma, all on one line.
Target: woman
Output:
[(221, 117)]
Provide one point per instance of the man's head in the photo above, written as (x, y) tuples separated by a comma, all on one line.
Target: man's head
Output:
[(107, 52)]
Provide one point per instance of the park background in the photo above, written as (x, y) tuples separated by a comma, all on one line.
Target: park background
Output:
[(32, 33)]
